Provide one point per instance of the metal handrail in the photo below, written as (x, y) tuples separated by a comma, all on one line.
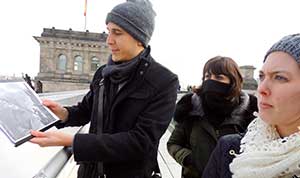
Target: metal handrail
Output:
[(56, 164)]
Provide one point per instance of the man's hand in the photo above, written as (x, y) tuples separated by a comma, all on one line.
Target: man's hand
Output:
[(51, 138), (61, 112)]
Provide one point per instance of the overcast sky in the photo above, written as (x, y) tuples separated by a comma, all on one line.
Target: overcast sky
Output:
[(186, 35)]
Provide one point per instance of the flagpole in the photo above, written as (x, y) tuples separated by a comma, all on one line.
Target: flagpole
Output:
[(84, 23), (85, 19)]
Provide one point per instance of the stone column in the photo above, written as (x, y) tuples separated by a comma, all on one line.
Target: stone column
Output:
[(70, 59)]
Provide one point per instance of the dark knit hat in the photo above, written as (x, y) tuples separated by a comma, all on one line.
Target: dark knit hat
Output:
[(136, 17), (289, 44)]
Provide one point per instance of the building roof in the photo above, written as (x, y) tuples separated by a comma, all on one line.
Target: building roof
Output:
[(76, 35)]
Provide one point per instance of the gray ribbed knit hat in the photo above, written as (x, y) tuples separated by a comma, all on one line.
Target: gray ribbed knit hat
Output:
[(289, 44), (136, 17)]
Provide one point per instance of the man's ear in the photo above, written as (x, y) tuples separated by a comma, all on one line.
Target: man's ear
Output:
[(140, 44)]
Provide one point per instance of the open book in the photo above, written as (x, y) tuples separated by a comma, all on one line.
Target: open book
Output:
[(21, 110)]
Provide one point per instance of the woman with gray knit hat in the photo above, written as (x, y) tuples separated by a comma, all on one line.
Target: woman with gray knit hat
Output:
[(130, 103), (271, 146)]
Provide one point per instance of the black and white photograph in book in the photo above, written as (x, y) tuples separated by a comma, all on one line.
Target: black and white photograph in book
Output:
[(21, 111)]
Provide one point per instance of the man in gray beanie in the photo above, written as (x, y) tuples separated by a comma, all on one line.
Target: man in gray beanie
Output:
[(130, 103), (136, 17)]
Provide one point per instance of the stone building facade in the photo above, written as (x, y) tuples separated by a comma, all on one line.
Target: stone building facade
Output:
[(69, 59)]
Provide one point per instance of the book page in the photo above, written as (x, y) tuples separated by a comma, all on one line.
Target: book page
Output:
[(21, 111)]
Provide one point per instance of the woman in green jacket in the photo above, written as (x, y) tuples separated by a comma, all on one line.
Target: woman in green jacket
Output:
[(217, 108)]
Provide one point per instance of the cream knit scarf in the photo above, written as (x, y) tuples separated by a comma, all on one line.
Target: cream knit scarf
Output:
[(264, 154)]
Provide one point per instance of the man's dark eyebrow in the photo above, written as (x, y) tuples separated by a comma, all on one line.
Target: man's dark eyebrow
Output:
[(116, 30)]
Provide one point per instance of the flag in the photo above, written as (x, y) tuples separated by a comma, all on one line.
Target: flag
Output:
[(85, 6)]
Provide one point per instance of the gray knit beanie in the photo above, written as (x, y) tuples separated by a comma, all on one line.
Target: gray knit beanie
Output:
[(289, 44), (136, 17)]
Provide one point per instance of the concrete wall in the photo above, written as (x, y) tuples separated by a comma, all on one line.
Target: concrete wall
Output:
[(54, 86)]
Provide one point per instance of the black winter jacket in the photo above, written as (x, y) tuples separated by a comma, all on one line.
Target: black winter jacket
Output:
[(194, 138), (138, 117), (222, 156)]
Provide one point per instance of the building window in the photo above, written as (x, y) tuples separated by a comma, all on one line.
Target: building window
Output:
[(62, 62), (95, 64), (78, 64)]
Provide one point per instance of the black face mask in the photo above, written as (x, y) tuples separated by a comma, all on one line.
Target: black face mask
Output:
[(215, 100)]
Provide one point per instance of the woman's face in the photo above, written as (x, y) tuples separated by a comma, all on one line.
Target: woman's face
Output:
[(279, 93), (220, 78)]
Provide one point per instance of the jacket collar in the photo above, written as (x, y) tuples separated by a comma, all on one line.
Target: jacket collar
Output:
[(236, 114), (137, 79)]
